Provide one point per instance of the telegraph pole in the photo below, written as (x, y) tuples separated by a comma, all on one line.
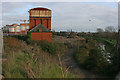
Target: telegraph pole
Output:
[(118, 41), (118, 35)]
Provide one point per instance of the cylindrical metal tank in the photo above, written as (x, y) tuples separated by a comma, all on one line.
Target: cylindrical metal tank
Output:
[(14, 25), (11, 28), (17, 28), (40, 16), (24, 26), (27, 26)]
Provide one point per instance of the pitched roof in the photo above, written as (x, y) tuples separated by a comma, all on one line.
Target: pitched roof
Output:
[(40, 27)]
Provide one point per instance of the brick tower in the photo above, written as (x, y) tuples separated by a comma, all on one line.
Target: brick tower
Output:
[(40, 16)]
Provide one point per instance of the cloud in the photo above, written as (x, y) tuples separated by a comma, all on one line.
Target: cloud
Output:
[(77, 17), (66, 15)]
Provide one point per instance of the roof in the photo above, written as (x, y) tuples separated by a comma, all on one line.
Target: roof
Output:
[(40, 8), (23, 24), (40, 27), (14, 24)]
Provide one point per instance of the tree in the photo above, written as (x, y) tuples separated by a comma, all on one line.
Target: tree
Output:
[(99, 30), (109, 29), (95, 61), (72, 34), (29, 35)]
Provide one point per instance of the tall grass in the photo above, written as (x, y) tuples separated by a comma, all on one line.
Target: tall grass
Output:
[(30, 61)]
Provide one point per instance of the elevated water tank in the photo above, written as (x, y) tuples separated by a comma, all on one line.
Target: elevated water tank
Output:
[(40, 16)]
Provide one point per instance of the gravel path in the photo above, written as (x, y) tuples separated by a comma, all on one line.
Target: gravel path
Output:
[(68, 61)]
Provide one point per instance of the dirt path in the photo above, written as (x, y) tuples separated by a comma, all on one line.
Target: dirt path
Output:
[(68, 61)]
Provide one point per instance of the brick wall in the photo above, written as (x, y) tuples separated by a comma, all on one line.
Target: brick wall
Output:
[(42, 36), (46, 21)]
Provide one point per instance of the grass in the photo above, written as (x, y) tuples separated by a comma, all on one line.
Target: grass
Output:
[(30, 61), (81, 55), (15, 68), (12, 68), (55, 72), (89, 56)]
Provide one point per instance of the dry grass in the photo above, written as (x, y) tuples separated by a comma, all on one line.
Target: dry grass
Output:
[(29, 61), (64, 72)]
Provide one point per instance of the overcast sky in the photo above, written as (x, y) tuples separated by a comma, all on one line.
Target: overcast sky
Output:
[(78, 16)]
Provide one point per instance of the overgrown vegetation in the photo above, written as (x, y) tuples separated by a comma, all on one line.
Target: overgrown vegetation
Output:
[(50, 47), (95, 52), (98, 53), (35, 60)]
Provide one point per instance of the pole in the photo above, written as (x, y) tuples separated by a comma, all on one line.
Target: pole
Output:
[(118, 40)]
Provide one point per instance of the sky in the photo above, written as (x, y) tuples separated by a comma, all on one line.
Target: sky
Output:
[(78, 16), (60, 0)]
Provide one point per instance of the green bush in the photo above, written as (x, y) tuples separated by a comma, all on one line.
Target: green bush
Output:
[(51, 47), (91, 62), (31, 59), (48, 47), (29, 35), (81, 55), (95, 61)]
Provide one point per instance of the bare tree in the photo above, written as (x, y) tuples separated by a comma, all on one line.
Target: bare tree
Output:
[(110, 29), (99, 30)]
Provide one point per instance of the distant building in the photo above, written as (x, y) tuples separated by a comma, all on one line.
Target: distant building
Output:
[(41, 33), (11, 29), (15, 29), (40, 24), (24, 28)]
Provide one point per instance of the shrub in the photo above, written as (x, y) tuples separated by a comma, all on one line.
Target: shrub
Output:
[(29, 35), (48, 47), (31, 61), (95, 61)]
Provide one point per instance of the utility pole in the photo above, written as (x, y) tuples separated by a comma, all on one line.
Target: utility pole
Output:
[(118, 40), (118, 35)]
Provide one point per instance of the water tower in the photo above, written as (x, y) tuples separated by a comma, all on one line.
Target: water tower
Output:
[(40, 16)]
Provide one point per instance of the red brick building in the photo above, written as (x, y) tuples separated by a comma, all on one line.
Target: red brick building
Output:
[(40, 16), (40, 24), (41, 33)]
